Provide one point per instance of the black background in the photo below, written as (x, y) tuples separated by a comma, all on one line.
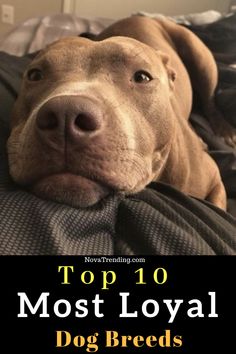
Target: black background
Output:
[(188, 278)]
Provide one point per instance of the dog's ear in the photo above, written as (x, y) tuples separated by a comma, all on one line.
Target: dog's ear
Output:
[(88, 35), (170, 71)]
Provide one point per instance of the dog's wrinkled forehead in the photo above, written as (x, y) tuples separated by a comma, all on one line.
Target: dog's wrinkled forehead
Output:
[(74, 52)]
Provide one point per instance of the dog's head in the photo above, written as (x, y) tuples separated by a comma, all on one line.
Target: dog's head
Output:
[(92, 118)]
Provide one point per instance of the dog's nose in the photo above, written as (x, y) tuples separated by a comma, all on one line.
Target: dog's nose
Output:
[(68, 117)]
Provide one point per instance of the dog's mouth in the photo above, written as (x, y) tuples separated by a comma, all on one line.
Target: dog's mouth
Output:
[(72, 189)]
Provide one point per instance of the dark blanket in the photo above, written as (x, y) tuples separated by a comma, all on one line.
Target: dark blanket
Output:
[(159, 220), (220, 37)]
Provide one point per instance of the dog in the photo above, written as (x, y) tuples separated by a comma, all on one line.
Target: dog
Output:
[(111, 115)]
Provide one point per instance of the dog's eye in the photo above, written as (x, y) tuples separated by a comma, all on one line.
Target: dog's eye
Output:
[(34, 75), (142, 77)]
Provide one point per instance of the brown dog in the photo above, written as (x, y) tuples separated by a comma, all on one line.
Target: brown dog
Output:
[(111, 116)]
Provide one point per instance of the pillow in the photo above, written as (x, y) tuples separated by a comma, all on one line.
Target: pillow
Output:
[(35, 33), (11, 70), (158, 220)]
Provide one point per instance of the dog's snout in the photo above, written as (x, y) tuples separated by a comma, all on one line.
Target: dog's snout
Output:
[(87, 122), (68, 117), (47, 120)]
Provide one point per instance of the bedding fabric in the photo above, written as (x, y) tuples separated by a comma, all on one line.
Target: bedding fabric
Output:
[(219, 37), (159, 220), (35, 33)]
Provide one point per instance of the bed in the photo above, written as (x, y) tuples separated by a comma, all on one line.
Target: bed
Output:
[(158, 220)]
